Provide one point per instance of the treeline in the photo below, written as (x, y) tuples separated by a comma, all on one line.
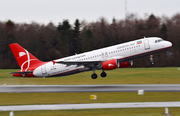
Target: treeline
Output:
[(49, 42)]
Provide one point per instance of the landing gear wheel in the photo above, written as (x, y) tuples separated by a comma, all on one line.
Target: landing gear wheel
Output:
[(153, 63), (94, 76), (103, 74)]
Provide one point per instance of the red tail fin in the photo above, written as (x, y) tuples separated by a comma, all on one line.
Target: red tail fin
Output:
[(23, 57)]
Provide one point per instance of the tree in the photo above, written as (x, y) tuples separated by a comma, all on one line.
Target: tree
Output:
[(87, 40), (152, 22), (75, 42), (164, 31), (65, 34), (9, 25)]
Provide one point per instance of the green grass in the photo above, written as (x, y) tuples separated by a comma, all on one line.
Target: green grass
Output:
[(83, 97), (118, 76)]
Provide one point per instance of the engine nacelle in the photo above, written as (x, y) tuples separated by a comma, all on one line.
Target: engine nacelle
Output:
[(114, 63), (126, 64), (110, 64)]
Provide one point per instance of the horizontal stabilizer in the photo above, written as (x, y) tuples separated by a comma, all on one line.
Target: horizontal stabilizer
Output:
[(25, 72)]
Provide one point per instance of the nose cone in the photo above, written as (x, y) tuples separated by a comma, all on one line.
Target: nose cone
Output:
[(168, 44)]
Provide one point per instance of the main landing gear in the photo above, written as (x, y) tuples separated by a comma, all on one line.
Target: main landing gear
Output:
[(94, 75), (103, 74)]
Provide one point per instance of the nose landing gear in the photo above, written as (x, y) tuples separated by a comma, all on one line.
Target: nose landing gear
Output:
[(152, 61)]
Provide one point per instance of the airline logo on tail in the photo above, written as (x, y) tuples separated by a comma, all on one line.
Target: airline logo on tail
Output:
[(21, 54)]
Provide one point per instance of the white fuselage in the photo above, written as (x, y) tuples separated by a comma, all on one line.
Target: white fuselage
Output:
[(123, 52)]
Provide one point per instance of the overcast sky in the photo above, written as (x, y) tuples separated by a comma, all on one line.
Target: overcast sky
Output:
[(44, 11)]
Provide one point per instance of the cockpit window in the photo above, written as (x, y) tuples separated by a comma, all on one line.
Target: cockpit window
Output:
[(159, 40)]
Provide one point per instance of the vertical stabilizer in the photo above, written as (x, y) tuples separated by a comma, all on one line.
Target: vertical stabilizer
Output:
[(23, 57)]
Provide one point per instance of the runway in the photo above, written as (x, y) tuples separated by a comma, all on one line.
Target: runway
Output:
[(89, 106), (90, 88)]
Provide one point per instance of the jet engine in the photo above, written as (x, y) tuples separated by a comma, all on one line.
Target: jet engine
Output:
[(114, 63)]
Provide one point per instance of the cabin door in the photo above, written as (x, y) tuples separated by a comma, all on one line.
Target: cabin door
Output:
[(146, 44)]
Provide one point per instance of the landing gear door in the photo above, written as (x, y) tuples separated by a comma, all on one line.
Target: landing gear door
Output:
[(43, 69), (146, 44)]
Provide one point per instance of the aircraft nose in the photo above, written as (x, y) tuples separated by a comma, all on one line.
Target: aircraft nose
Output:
[(169, 44)]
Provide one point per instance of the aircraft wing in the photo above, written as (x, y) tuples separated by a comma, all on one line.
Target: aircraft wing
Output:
[(81, 63)]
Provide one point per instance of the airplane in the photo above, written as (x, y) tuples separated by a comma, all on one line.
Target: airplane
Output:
[(109, 58)]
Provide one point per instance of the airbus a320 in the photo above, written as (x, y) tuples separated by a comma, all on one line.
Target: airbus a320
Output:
[(109, 58)]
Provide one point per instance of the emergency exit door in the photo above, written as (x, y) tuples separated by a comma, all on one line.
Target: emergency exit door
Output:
[(43, 69)]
